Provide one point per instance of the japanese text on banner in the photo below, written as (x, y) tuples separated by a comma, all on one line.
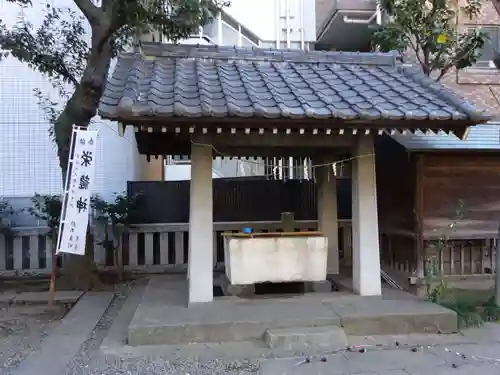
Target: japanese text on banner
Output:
[(78, 206)]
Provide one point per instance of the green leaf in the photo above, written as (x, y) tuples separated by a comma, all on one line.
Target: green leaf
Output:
[(6, 214), (426, 33), (119, 211), (47, 208)]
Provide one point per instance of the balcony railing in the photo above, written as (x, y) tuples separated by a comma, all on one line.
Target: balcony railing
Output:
[(224, 30)]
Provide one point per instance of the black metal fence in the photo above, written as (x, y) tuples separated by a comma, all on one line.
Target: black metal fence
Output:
[(236, 199)]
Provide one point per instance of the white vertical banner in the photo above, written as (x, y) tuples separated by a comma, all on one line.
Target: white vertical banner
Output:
[(76, 206)]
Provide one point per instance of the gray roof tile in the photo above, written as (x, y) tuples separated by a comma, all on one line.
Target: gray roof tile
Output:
[(198, 81), (485, 137)]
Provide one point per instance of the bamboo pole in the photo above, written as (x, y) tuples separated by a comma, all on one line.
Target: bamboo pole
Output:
[(53, 270)]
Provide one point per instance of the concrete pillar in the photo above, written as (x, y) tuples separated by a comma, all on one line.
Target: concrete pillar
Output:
[(152, 170), (327, 214), (365, 238), (201, 228)]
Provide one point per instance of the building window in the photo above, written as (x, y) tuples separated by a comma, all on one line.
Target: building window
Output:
[(490, 49)]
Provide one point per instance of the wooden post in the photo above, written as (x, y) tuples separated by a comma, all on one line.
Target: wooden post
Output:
[(419, 211), (497, 268)]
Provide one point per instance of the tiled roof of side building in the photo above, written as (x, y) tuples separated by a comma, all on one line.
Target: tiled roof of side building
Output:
[(485, 137), (168, 80)]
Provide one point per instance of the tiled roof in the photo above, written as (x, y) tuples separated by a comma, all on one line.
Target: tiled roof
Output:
[(485, 137), (209, 81)]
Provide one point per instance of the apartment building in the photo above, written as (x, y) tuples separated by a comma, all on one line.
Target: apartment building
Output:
[(277, 23), (28, 161), (481, 83), (280, 24), (307, 24), (344, 24)]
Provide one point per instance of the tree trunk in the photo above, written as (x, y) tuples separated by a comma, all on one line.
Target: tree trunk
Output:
[(82, 105), (81, 271)]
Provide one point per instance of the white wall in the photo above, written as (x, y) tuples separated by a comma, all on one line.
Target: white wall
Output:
[(118, 159), (262, 17), (180, 172), (28, 160)]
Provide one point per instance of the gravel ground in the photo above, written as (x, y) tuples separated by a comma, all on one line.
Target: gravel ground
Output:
[(23, 334), (22, 330), (91, 361)]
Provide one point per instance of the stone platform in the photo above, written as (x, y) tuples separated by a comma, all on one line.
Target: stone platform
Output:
[(163, 318)]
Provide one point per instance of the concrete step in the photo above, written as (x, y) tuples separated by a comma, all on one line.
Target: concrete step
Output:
[(298, 338), (162, 317), (63, 297)]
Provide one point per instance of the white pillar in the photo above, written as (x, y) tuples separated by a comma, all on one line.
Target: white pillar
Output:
[(365, 238), (327, 214), (201, 231)]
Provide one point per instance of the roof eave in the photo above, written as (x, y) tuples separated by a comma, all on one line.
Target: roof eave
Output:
[(457, 127)]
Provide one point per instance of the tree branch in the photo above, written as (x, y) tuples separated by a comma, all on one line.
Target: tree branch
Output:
[(416, 48), (442, 73), (496, 4), (26, 48), (91, 12)]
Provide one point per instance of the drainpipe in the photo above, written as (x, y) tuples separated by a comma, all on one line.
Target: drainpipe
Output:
[(287, 21), (301, 15), (360, 21), (278, 23), (240, 36), (219, 29)]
